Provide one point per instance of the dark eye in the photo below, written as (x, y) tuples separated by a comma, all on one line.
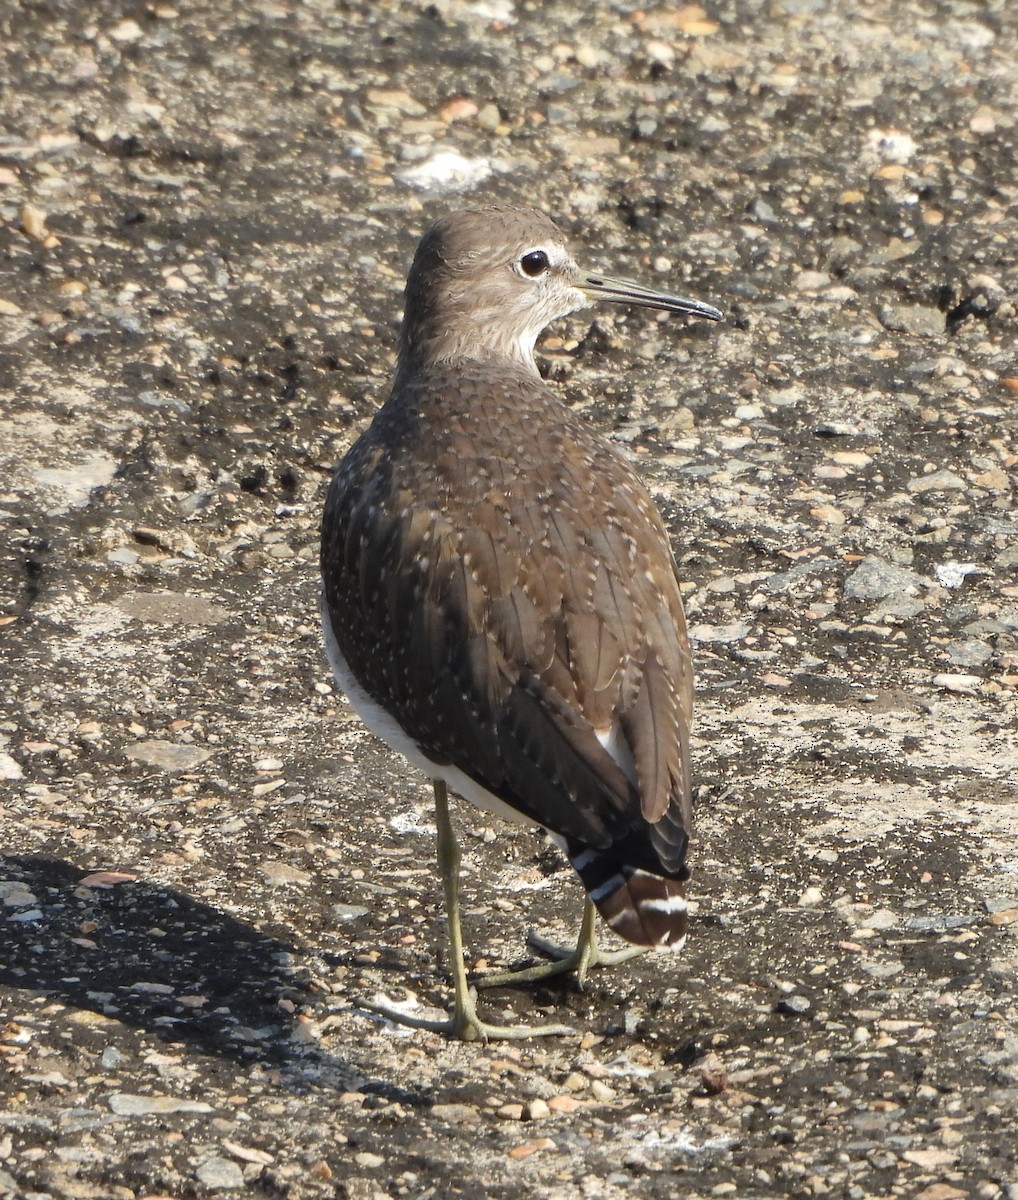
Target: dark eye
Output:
[(535, 263)]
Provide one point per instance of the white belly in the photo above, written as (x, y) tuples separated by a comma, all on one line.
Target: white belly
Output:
[(385, 726)]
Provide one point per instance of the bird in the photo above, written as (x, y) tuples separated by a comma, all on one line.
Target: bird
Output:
[(500, 600)]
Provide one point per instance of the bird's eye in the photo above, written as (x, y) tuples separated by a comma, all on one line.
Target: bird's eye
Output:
[(534, 264)]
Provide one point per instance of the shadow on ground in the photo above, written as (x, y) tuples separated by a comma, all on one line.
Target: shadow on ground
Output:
[(160, 961)]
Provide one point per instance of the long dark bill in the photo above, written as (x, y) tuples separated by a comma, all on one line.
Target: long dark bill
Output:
[(625, 291)]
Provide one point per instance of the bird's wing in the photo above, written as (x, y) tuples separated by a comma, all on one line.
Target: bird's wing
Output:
[(532, 635)]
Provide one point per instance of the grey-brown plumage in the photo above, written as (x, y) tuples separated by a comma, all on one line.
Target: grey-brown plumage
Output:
[(500, 597)]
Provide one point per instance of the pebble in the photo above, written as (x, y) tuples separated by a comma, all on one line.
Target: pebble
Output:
[(874, 579), (536, 1110), (793, 1005), (915, 319), (456, 1114), (602, 1092), (461, 109), (10, 768), (969, 652), (126, 1105), (368, 1160), (930, 1158), (1005, 916), (828, 514), (218, 1174), (527, 1148), (446, 170), (15, 894), (348, 912), (734, 632), (938, 481), (953, 574), (167, 756), (279, 874), (956, 683)]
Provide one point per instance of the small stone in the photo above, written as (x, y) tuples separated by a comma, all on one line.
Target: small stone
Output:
[(217, 1174), (460, 109), (348, 912), (810, 897), (167, 756), (734, 632), (873, 579), (126, 1105), (983, 120), (938, 481), (396, 98), (537, 1110), (915, 319), (930, 1158), (489, 117), (510, 1112), (602, 1092), (793, 1005), (693, 21), (279, 874), (127, 30), (33, 222), (956, 683), (527, 1148), (1006, 916), (712, 1073), (969, 652), (772, 680), (828, 514), (368, 1160), (455, 1114), (811, 281), (953, 574), (106, 879), (565, 1104), (248, 1154)]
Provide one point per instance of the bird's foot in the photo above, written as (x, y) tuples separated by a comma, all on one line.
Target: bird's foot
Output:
[(465, 1024), (584, 955)]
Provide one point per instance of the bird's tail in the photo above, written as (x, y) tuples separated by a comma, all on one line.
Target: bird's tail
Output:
[(645, 909)]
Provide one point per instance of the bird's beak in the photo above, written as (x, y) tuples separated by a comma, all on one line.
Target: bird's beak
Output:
[(624, 291)]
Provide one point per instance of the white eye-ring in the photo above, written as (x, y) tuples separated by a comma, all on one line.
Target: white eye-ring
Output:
[(533, 264)]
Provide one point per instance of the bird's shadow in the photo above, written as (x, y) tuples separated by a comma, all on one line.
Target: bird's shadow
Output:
[(156, 959)]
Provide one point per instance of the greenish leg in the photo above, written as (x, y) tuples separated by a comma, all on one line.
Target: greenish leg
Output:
[(464, 1022), (586, 954)]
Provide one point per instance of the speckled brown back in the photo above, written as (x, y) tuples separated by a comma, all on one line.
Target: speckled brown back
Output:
[(499, 579)]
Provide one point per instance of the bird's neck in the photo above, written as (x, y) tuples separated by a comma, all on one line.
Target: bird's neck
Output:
[(478, 338)]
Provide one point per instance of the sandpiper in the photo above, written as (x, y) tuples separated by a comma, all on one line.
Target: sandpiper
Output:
[(500, 600)]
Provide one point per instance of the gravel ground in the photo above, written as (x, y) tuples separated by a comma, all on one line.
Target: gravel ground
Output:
[(206, 212)]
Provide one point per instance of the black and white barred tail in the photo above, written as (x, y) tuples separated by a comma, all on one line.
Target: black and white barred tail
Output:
[(645, 909)]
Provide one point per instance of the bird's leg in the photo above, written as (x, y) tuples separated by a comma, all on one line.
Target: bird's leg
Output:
[(464, 1022), (586, 954)]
